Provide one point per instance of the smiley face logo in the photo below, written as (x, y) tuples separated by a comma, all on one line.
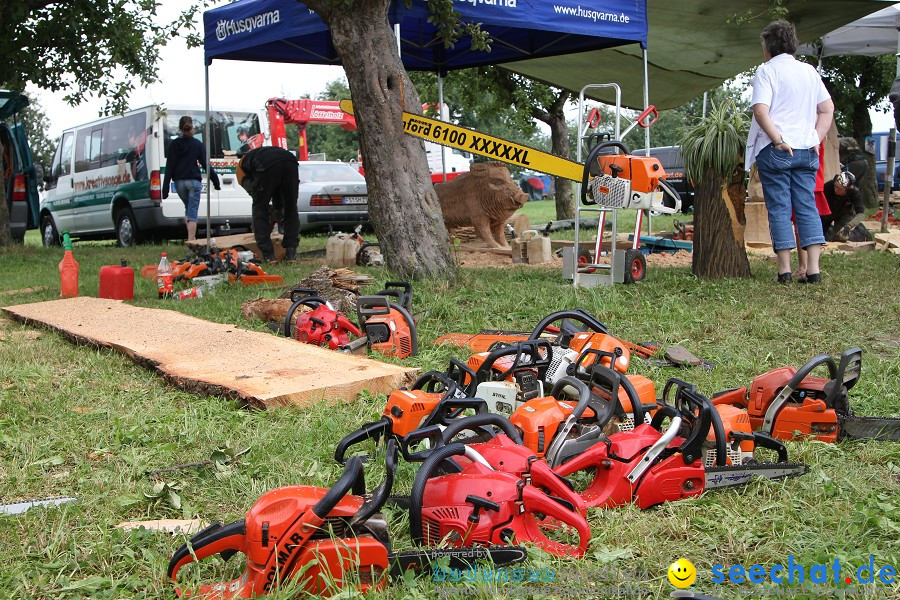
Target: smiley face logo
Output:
[(682, 573)]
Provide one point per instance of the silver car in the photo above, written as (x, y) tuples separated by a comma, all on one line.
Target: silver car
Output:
[(331, 193)]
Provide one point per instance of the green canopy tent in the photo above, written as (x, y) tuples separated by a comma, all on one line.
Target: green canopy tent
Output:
[(697, 44)]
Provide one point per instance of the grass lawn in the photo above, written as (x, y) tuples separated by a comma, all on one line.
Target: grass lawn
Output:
[(76, 421)]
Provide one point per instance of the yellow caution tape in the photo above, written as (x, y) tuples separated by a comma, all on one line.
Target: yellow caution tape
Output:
[(469, 140)]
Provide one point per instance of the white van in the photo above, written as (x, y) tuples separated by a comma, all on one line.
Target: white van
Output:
[(106, 177)]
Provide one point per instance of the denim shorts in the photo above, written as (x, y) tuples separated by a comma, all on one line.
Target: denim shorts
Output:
[(788, 184), (189, 192)]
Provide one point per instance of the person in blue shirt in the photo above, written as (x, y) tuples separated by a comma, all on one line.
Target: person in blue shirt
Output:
[(186, 155)]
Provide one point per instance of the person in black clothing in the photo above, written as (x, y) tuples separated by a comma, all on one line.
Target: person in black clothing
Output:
[(185, 157), (269, 174), (845, 201)]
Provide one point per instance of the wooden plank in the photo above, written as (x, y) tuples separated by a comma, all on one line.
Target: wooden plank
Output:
[(891, 238), (243, 241), (474, 248), (259, 368), (856, 246)]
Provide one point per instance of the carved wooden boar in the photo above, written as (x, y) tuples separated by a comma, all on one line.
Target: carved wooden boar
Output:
[(484, 198)]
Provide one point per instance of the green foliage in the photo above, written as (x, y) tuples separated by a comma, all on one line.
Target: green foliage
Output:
[(451, 28), (475, 100), (716, 142), (88, 47), (37, 125), (856, 84)]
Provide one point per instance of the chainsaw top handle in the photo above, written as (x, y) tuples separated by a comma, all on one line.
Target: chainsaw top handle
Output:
[(847, 375), (380, 494), (701, 414), (431, 380), (480, 424), (308, 294), (437, 437), (609, 381), (401, 290), (579, 314), (588, 163), (529, 348), (458, 371), (584, 394), (353, 478)]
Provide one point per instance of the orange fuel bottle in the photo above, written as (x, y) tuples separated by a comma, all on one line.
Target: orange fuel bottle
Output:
[(68, 270)]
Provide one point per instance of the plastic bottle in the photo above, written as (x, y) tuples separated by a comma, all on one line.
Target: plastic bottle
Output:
[(194, 292), (164, 278), (68, 270)]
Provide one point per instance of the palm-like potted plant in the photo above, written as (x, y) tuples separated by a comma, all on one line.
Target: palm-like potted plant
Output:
[(713, 152)]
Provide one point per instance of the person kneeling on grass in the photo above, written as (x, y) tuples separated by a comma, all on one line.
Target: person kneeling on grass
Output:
[(270, 175)]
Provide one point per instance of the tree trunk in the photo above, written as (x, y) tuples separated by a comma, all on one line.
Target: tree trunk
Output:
[(862, 127), (5, 232), (719, 228), (403, 206), (559, 140)]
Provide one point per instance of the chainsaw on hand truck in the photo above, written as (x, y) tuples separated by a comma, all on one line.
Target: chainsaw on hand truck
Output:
[(329, 539), (788, 402)]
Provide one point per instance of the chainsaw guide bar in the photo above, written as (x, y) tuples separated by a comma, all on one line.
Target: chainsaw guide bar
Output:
[(882, 429), (719, 477), (469, 140), (460, 558)]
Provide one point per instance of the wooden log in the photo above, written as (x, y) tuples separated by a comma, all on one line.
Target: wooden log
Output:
[(260, 369)]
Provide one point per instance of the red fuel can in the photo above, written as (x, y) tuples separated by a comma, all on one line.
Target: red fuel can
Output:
[(117, 282)]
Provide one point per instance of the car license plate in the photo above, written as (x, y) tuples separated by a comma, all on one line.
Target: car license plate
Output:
[(356, 199)]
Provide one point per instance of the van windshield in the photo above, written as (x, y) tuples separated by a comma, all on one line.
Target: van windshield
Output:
[(228, 131)]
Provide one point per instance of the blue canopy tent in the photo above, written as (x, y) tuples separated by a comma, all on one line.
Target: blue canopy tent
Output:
[(288, 31)]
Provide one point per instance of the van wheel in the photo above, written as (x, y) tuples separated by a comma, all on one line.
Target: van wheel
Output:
[(49, 235), (127, 232)]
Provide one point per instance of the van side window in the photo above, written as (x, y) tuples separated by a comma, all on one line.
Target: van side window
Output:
[(124, 138), (87, 149), (62, 160)]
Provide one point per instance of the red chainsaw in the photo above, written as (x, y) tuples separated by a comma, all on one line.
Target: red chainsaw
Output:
[(787, 402), (384, 325), (652, 464), (320, 326), (481, 505), (328, 538)]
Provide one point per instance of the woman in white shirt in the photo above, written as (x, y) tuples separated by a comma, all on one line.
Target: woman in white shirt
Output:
[(792, 112)]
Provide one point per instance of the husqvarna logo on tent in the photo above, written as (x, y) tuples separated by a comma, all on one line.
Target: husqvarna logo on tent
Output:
[(225, 28)]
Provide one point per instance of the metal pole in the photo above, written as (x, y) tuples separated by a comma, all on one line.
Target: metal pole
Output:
[(646, 139), (888, 178), (441, 113), (704, 104), (208, 145), (397, 35)]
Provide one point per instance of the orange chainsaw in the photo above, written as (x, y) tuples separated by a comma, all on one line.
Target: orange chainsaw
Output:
[(789, 402), (324, 539), (435, 398)]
